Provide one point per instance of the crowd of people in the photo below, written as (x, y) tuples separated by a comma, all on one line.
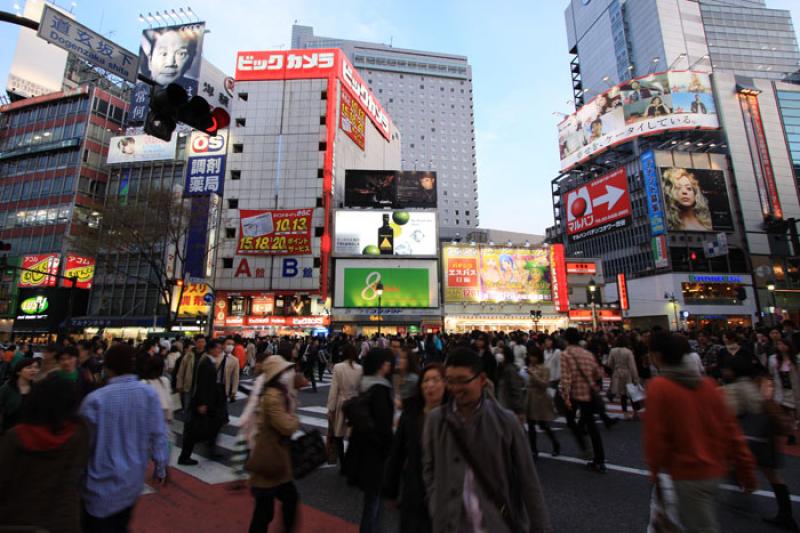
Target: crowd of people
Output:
[(433, 424)]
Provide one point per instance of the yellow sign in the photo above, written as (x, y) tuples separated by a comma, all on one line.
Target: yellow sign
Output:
[(192, 302)]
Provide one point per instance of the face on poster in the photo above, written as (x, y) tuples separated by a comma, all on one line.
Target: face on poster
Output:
[(138, 148), (361, 233), (696, 199), (390, 189), (173, 55)]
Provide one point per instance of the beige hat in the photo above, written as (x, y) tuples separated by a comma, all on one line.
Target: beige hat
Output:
[(274, 365)]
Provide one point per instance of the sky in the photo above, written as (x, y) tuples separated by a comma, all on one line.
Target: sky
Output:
[(517, 49)]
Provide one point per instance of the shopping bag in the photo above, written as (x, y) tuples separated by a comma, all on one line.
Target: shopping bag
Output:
[(635, 392), (664, 507)]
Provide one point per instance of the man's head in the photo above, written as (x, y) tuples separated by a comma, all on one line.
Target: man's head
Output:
[(214, 348), (668, 349), (572, 336), (118, 360), (427, 181), (171, 55), (199, 344), (229, 345), (378, 362), (396, 345), (465, 376), (68, 359)]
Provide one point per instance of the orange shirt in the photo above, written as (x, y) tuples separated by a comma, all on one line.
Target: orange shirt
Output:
[(241, 354)]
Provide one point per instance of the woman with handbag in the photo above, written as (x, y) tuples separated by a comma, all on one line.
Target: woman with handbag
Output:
[(344, 385), (623, 373), (270, 463), (539, 406), (785, 375)]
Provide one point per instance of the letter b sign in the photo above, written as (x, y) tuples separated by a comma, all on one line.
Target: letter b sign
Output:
[(290, 269)]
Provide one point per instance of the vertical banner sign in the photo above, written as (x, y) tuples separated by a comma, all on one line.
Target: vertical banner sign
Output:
[(558, 278), (196, 235), (652, 187), (82, 268), (352, 118), (205, 166), (659, 246), (622, 290), (40, 270), (765, 175)]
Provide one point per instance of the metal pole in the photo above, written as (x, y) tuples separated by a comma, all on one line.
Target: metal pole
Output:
[(675, 311), (594, 314), (380, 317)]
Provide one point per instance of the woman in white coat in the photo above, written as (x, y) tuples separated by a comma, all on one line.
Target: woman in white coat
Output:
[(783, 367), (344, 385)]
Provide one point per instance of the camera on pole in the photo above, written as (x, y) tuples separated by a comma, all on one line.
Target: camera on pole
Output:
[(171, 104)]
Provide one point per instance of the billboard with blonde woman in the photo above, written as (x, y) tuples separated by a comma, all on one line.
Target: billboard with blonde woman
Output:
[(696, 200)]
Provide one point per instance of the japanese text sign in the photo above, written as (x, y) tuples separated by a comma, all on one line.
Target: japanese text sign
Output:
[(81, 268), (352, 119), (598, 206), (40, 270), (205, 167), (275, 232)]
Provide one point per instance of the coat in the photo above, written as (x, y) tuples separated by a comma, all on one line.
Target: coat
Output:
[(367, 452), (344, 385), (231, 376), (623, 370), (186, 371), (794, 376), (40, 474), (275, 427), (510, 388), (403, 475), (538, 404), (499, 445)]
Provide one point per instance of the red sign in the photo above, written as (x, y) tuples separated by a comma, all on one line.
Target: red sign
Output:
[(603, 315), (40, 270), (763, 155), (352, 118), (80, 267), (558, 278), (622, 290), (463, 272), (275, 232), (581, 268), (599, 206)]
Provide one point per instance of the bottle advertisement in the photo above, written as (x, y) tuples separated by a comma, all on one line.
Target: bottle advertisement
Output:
[(385, 233)]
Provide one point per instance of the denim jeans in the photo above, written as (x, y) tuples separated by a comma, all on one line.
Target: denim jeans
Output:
[(370, 516)]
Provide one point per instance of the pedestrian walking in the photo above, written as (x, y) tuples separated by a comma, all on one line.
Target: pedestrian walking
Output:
[(539, 407), (477, 465), (344, 385), (510, 389), (783, 369), (187, 373), (16, 391), (623, 373), (691, 434), (127, 426), (270, 462), (405, 380)]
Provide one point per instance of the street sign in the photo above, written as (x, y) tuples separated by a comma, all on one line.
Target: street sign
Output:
[(209, 298), (64, 32)]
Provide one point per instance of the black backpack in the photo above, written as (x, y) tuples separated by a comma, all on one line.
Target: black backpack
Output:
[(358, 412)]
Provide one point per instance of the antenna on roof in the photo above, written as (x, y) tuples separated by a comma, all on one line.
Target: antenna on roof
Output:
[(391, 40)]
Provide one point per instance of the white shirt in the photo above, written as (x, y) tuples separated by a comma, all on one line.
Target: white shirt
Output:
[(552, 360)]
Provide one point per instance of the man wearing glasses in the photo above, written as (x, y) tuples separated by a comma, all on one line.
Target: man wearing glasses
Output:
[(477, 466)]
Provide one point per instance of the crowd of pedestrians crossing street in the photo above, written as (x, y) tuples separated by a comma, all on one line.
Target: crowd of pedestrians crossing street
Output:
[(442, 427)]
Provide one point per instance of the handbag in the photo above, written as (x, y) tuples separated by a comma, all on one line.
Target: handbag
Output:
[(308, 453), (596, 400), (663, 508), (635, 392)]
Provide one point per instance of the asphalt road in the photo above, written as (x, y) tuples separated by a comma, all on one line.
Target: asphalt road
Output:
[(577, 499)]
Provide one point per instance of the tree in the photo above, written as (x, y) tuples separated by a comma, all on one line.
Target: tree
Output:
[(152, 229)]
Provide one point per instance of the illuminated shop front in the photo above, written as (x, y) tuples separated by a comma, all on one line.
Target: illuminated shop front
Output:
[(256, 313)]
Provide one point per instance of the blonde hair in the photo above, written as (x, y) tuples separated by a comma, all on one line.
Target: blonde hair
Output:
[(670, 179)]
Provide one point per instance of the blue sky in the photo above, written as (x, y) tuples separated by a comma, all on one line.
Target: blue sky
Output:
[(517, 50)]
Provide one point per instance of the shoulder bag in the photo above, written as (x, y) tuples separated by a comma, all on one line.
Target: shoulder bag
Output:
[(308, 453), (596, 400)]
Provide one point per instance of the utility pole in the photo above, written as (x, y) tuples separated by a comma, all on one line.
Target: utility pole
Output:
[(674, 301)]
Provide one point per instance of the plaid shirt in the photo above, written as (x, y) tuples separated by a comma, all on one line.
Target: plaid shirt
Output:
[(573, 385)]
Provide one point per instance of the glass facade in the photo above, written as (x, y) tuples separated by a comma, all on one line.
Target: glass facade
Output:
[(789, 104)]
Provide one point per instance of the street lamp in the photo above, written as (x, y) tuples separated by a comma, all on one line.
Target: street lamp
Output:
[(771, 289), (379, 292), (674, 302), (592, 291)]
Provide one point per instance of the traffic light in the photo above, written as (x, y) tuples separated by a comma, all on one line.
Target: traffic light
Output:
[(179, 283), (693, 257), (171, 104)]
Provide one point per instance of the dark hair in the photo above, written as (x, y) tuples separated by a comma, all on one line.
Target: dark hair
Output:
[(572, 336), (375, 359), (52, 402), (285, 350), (349, 352), (792, 350), (21, 364), (622, 342), (154, 367), (119, 359), (465, 358), (86, 345), (536, 353), (211, 344), (671, 346), (69, 350), (413, 360), (199, 336)]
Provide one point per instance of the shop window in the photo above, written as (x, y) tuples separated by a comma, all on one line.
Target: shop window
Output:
[(236, 306), (696, 293)]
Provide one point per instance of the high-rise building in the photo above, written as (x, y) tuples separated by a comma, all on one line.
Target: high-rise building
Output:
[(429, 95)]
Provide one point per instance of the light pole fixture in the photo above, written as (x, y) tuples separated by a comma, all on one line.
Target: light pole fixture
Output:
[(771, 289), (592, 292), (379, 292), (674, 301)]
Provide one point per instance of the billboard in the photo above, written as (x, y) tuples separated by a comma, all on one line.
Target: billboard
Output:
[(622, 291), (759, 151), (137, 148), (406, 283), (598, 206), (390, 189), (696, 199), (275, 231), (474, 274), (373, 233), (45, 309), (41, 270), (673, 100), (352, 119), (652, 189), (205, 166), (193, 300), (558, 278), (76, 266)]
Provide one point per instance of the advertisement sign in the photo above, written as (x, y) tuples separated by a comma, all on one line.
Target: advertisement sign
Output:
[(598, 206), (765, 179), (652, 188), (558, 278), (581, 268), (76, 266), (67, 34), (675, 100), (406, 283), (40, 270), (205, 167), (138, 148), (193, 301), (45, 309), (603, 315), (374, 233), (660, 251), (275, 231), (352, 118), (390, 189), (197, 234), (622, 291), (171, 54), (696, 199), (485, 273)]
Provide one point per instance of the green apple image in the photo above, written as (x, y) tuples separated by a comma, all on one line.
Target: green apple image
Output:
[(401, 218), (371, 249)]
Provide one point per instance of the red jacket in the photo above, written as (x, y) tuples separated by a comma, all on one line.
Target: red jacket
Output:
[(241, 354), (691, 434)]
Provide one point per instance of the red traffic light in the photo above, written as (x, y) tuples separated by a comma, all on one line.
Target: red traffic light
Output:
[(179, 283), (693, 256), (221, 120)]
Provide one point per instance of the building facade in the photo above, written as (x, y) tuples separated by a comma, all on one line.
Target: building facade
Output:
[(429, 95)]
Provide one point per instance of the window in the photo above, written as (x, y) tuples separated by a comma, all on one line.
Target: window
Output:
[(318, 231), (243, 96), (323, 95), (322, 120), (323, 146), (227, 262), (241, 122), (230, 233), (233, 203), (236, 174), (238, 148)]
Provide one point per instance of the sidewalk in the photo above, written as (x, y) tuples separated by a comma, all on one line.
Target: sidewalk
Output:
[(186, 504)]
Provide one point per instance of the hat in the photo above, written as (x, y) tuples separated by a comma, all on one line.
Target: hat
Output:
[(274, 365), (164, 343)]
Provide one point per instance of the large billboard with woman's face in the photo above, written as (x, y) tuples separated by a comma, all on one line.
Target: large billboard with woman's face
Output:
[(696, 200), (658, 102)]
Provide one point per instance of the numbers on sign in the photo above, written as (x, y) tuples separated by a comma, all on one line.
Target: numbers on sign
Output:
[(300, 224)]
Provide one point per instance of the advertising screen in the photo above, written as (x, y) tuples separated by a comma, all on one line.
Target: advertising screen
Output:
[(82, 268), (406, 283), (390, 189), (38, 270), (483, 273), (137, 148), (664, 101), (45, 309), (352, 119), (695, 199), (598, 206), (275, 231), (374, 233)]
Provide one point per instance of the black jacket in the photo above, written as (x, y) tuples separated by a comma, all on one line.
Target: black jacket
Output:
[(367, 452), (206, 392)]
